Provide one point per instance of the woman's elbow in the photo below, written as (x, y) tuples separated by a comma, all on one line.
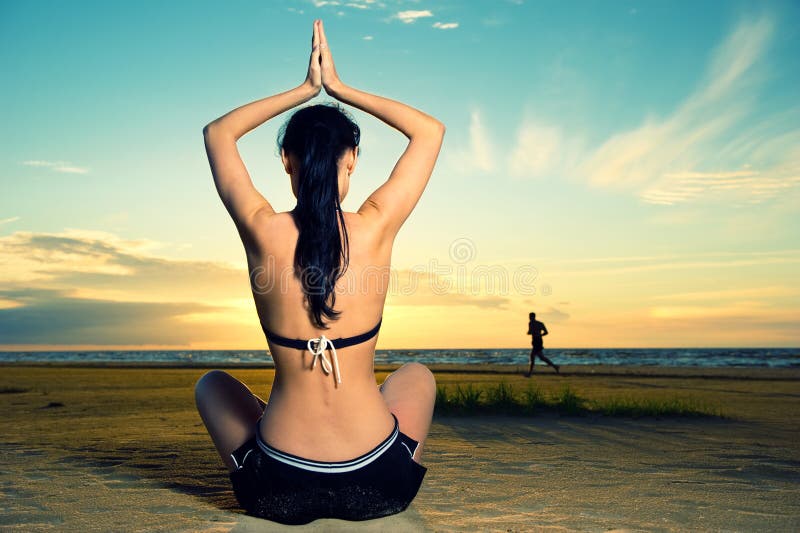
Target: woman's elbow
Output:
[(207, 129), (435, 130)]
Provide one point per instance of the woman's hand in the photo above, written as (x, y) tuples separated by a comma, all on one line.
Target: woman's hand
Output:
[(330, 79), (314, 76)]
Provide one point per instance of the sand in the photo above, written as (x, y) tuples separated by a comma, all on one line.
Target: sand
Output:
[(123, 449)]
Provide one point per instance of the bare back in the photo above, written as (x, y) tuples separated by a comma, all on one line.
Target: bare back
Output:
[(308, 414)]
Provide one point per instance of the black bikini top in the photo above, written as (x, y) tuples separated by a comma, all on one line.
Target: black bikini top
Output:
[(317, 346)]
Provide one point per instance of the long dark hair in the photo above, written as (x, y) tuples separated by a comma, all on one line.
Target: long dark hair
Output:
[(318, 136)]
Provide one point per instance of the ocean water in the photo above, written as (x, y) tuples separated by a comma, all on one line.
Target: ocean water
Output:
[(675, 357)]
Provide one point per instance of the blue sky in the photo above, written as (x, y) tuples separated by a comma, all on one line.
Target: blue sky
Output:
[(643, 157)]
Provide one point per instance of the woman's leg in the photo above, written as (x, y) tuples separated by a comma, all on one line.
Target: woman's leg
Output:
[(229, 411), (410, 393)]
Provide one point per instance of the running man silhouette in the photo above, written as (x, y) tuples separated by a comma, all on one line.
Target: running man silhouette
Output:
[(537, 330)]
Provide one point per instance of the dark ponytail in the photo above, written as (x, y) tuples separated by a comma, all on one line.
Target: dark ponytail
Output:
[(318, 136)]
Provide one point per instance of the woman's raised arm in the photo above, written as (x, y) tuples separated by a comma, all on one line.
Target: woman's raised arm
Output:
[(232, 180), (393, 201)]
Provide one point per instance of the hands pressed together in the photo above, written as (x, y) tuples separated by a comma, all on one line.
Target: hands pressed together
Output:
[(321, 70)]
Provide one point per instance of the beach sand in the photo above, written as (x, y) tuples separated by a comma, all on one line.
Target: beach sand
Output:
[(93, 448)]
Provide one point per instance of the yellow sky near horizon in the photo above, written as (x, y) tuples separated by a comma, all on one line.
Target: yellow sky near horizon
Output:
[(95, 285)]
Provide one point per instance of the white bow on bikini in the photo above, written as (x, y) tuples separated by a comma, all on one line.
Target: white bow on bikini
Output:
[(317, 348)]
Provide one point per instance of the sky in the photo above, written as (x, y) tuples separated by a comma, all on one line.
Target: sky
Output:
[(630, 171)]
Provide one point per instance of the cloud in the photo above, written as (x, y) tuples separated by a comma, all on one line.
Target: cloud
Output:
[(322, 3), (58, 166), (772, 291), (357, 5), (478, 156), (8, 220), (53, 317), (536, 150), (539, 149), (712, 265), (368, 37), (88, 287), (445, 25), (554, 315), (712, 145), (109, 266), (410, 287), (411, 16)]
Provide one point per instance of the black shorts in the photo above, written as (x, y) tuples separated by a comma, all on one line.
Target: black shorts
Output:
[(289, 489)]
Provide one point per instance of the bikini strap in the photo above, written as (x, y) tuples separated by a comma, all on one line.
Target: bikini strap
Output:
[(321, 344), (341, 342)]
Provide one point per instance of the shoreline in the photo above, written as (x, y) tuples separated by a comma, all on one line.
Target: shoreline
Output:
[(540, 370)]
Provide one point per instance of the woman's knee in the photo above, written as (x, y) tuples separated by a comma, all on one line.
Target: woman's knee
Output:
[(424, 375), (419, 375), (210, 382)]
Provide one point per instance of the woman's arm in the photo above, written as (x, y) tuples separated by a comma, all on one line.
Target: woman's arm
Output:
[(232, 180), (248, 117), (393, 201)]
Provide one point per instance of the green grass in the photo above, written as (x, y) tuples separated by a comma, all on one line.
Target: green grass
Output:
[(567, 401), (501, 398), (653, 407)]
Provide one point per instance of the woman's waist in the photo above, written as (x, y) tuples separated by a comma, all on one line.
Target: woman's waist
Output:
[(325, 428)]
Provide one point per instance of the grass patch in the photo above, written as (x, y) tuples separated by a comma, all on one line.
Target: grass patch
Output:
[(567, 401), (652, 407), (468, 397), (502, 398), (532, 399)]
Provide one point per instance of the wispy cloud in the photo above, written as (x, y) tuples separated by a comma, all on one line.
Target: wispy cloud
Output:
[(85, 287), (412, 15), (100, 261), (710, 265), (57, 166), (411, 287), (8, 220), (536, 150), (749, 293), (709, 262), (445, 25), (712, 145), (555, 315), (478, 155), (368, 37)]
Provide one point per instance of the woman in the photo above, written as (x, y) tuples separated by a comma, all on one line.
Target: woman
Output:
[(329, 443)]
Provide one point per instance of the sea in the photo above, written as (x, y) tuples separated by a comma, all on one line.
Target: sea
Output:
[(669, 357)]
